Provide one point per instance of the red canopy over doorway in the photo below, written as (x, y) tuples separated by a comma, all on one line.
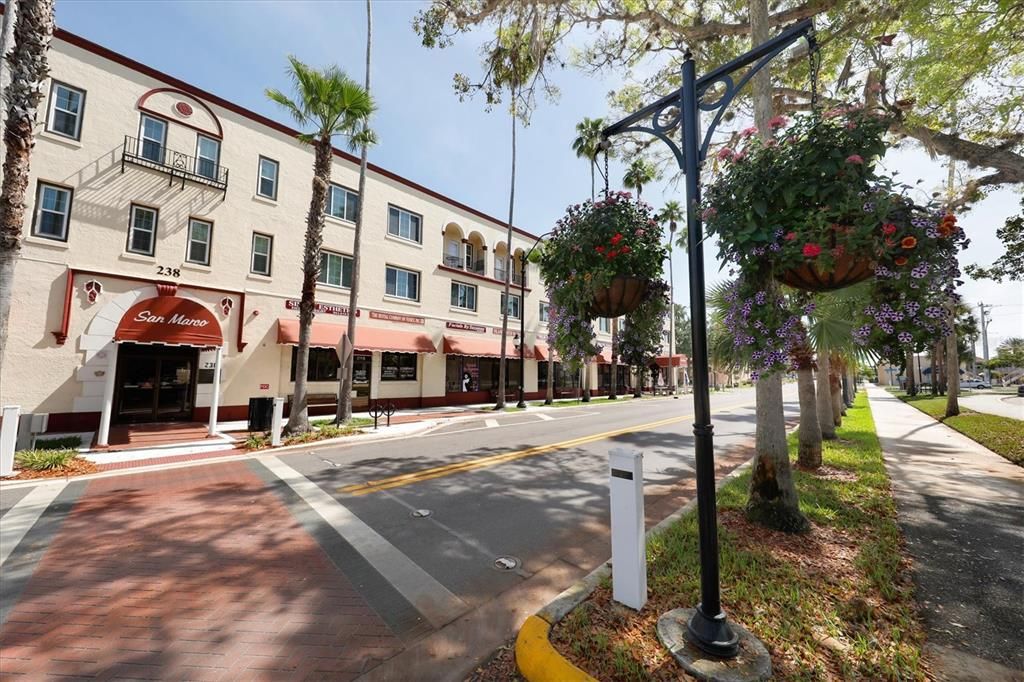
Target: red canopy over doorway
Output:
[(171, 320)]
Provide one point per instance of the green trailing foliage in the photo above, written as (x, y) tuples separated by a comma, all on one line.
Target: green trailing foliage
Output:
[(61, 443)]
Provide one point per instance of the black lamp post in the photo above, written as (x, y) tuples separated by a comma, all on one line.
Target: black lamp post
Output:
[(709, 628), (522, 319)]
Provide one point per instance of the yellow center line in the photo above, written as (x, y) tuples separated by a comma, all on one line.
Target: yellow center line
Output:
[(492, 460)]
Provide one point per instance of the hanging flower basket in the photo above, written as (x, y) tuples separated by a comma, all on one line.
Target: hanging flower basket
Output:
[(602, 259), (623, 295), (845, 271)]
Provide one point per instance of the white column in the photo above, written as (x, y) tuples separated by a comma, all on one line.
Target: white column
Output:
[(215, 398), (103, 437), (8, 438)]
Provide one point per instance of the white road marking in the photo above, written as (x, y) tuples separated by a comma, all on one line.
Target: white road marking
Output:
[(431, 598), (491, 423), (22, 516), (545, 417)]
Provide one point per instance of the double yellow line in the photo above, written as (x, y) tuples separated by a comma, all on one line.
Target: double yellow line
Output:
[(492, 460)]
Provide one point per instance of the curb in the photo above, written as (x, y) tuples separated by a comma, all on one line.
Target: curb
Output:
[(536, 658)]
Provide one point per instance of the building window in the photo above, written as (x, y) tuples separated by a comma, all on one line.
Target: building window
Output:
[(53, 212), (267, 185), (207, 156), (200, 234), (398, 366), (513, 305), (463, 296), (323, 364), (465, 374), (545, 311), (604, 325), (402, 223), (67, 104), (564, 379), (262, 251), (335, 270), (342, 203), (152, 138), (402, 283), (142, 230)]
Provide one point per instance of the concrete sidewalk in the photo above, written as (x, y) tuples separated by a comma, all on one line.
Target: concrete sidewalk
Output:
[(960, 509)]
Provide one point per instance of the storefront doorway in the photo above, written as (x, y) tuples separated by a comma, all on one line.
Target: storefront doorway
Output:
[(154, 383)]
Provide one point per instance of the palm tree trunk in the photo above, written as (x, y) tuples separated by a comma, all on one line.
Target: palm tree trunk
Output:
[(638, 388), (593, 190), (28, 66), (298, 419), (549, 395), (6, 45), (614, 389), (586, 380), (952, 367), (824, 398), (500, 403), (838, 410), (344, 412), (809, 454), (773, 499)]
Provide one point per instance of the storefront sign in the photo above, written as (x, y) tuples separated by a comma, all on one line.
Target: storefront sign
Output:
[(396, 317), (169, 319), (465, 326), (264, 387), (325, 308)]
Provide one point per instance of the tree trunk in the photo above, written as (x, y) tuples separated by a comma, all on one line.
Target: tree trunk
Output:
[(586, 381), (614, 388), (298, 419), (911, 379), (28, 67), (593, 191), (773, 499), (549, 395), (823, 395), (838, 409), (500, 402), (344, 412), (638, 389), (810, 431), (6, 44), (952, 367)]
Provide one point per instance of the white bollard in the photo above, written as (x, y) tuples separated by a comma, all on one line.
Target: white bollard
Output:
[(8, 438), (277, 423), (629, 550)]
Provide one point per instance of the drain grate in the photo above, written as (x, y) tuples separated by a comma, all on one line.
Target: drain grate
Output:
[(421, 513), (506, 563)]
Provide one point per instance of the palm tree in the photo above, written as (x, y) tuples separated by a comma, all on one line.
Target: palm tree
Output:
[(28, 66), (363, 140), (327, 103), (639, 173), (587, 145)]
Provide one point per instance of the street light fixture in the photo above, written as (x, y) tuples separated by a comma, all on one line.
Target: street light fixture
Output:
[(708, 628)]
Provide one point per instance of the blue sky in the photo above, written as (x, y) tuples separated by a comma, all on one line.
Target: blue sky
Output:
[(238, 48)]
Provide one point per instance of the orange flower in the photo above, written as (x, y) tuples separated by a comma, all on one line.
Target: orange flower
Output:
[(901, 260), (908, 242)]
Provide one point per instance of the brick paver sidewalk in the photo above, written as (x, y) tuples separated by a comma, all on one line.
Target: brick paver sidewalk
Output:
[(196, 573)]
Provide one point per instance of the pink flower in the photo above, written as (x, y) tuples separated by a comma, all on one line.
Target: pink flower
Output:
[(855, 158), (811, 249), (790, 236), (778, 122), (725, 154), (709, 212), (740, 156), (850, 125), (771, 143), (792, 139), (748, 132), (838, 111)]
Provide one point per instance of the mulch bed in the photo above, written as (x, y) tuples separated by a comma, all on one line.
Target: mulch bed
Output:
[(500, 667), (76, 467)]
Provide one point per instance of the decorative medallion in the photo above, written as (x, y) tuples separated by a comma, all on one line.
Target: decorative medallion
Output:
[(92, 290), (183, 108), (226, 304)]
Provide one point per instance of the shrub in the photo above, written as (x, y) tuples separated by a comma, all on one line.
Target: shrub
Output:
[(44, 460), (257, 441), (58, 443)]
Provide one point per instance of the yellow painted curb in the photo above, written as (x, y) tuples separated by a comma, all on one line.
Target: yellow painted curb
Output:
[(538, 661)]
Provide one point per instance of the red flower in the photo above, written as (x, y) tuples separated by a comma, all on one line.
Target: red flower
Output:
[(811, 249), (908, 242), (901, 260), (855, 158), (790, 236), (616, 239), (599, 249), (888, 228), (625, 249)]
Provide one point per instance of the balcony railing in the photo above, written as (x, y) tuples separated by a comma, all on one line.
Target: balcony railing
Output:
[(149, 154), (519, 279), (459, 263)]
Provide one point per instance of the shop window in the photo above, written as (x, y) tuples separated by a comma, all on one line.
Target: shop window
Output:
[(342, 203), (335, 269), (464, 373), (323, 364), (404, 224), (267, 184), (53, 212), (67, 105), (564, 379), (142, 230), (398, 366), (200, 234)]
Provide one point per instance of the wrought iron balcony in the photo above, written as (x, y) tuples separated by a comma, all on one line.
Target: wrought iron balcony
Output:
[(519, 278), (149, 154), (459, 263)]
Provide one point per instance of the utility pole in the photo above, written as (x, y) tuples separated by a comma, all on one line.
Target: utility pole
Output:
[(984, 341)]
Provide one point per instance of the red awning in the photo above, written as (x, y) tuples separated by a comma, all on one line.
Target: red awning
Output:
[(171, 320), (541, 350), (677, 361), (325, 335), (605, 358), (482, 347)]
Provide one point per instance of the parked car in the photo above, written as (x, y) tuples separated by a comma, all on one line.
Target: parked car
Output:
[(975, 383), (1020, 391)]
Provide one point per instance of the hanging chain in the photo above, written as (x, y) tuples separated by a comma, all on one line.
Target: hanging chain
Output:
[(607, 191), (814, 63)]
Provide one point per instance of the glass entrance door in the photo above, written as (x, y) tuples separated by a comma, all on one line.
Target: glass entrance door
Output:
[(155, 383), (362, 370)]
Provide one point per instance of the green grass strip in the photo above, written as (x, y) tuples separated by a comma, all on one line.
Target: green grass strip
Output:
[(1002, 435)]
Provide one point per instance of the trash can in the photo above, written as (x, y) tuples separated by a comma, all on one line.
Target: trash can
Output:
[(261, 414)]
